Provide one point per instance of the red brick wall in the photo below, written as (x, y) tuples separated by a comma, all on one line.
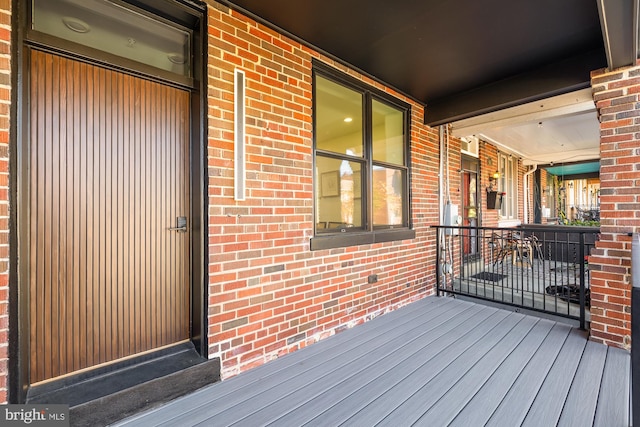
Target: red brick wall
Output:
[(268, 293), (616, 97), (5, 105)]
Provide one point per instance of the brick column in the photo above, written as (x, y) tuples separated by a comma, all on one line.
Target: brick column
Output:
[(618, 104)]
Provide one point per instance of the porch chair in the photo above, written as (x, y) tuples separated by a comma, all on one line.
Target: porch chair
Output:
[(536, 244), (500, 246)]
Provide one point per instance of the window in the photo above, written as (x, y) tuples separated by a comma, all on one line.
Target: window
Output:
[(361, 163), (508, 168), (470, 146), (118, 30)]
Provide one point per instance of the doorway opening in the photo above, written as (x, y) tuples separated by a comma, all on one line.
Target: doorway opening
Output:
[(111, 184), (470, 208)]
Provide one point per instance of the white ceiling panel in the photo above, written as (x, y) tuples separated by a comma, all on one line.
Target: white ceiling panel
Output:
[(561, 129)]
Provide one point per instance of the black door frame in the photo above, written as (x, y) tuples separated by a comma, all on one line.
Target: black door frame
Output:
[(185, 12)]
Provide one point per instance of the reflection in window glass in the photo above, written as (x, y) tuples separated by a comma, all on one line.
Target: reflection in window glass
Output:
[(338, 118), (387, 197), (114, 29), (338, 194), (388, 133)]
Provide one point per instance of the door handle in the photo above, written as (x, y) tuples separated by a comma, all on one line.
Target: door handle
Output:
[(181, 225)]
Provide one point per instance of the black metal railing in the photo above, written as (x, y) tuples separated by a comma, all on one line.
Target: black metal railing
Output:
[(635, 329), (541, 268)]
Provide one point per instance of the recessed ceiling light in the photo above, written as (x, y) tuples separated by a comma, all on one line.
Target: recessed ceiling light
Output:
[(76, 25), (176, 58), (348, 119)]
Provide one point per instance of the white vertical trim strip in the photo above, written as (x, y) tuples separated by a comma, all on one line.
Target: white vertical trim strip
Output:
[(239, 157)]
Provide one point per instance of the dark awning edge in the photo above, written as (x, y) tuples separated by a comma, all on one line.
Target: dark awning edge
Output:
[(555, 79)]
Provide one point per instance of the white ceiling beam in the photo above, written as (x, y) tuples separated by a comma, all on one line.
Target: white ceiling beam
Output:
[(562, 105), (565, 157)]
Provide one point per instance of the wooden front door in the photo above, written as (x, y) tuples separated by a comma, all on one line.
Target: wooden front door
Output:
[(108, 175)]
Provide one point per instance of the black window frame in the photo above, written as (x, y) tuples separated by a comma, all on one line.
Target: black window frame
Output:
[(368, 233)]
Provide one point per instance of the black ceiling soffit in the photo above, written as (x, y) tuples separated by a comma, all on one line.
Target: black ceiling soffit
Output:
[(462, 58), (619, 19)]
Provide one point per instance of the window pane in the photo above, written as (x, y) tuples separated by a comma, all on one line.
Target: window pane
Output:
[(388, 133), (388, 200), (338, 195), (111, 28), (513, 190), (338, 118)]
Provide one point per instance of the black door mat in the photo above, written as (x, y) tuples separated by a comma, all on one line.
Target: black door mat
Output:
[(487, 275), (569, 293)]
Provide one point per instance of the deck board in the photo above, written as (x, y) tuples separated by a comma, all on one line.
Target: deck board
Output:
[(299, 374), (439, 361), (615, 385), (353, 391), (580, 406), (297, 390), (479, 394), (547, 407), (295, 364), (379, 411), (515, 405), (358, 399)]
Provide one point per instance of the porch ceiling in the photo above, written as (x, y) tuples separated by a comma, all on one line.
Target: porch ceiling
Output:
[(468, 60), (463, 57), (562, 129)]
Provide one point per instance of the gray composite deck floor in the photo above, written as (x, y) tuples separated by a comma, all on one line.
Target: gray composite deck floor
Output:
[(439, 361)]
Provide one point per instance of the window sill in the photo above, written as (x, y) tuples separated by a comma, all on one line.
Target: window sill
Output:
[(343, 240), (509, 223)]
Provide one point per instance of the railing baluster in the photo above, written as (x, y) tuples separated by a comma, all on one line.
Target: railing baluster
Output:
[(635, 328), (438, 264), (582, 295)]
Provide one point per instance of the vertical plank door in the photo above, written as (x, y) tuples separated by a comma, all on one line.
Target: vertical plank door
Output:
[(108, 176)]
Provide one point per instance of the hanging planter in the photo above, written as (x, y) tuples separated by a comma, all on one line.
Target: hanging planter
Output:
[(494, 199)]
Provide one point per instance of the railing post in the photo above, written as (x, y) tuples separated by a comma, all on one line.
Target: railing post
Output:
[(438, 266), (582, 283), (635, 328)]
